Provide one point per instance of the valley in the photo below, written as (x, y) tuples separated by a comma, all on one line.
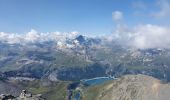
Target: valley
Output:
[(84, 50), (48, 69)]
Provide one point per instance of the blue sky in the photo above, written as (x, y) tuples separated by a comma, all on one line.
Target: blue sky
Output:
[(84, 16)]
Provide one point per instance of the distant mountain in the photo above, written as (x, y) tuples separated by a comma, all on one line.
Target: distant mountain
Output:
[(49, 66), (80, 57), (81, 39)]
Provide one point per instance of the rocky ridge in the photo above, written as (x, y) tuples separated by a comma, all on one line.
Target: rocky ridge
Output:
[(130, 87)]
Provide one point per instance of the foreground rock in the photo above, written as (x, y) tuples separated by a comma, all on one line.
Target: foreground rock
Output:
[(130, 87), (23, 96), (7, 87)]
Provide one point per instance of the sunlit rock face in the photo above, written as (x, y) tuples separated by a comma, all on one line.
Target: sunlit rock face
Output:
[(139, 87), (133, 87)]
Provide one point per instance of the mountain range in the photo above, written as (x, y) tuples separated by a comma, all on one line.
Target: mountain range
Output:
[(75, 58)]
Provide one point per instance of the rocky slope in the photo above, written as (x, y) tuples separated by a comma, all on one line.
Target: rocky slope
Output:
[(10, 88), (82, 58), (130, 87), (48, 89), (79, 58)]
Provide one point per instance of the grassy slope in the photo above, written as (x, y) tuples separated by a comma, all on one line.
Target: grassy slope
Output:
[(52, 91), (129, 87), (93, 92)]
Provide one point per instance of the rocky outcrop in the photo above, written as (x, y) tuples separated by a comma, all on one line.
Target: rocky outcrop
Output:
[(132, 87), (9, 88), (23, 96)]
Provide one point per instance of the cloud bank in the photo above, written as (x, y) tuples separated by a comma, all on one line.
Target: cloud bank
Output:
[(34, 36), (150, 36), (164, 9), (142, 36), (161, 8), (117, 15)]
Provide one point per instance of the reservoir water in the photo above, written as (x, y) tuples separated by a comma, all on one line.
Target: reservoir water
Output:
[(77, 96), (88, 82), (96, 81)]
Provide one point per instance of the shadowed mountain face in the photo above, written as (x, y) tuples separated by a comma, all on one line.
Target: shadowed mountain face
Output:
[(80, 58), (10, 88), (38, 88), (130, 87), (48, 67)]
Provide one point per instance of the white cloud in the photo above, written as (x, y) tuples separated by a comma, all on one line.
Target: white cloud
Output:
[(73, 34), (117, 15), (3, 35), (152, 36), (34, 36), (139, 5), (164, 9), (146, 36), (10, 38)]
